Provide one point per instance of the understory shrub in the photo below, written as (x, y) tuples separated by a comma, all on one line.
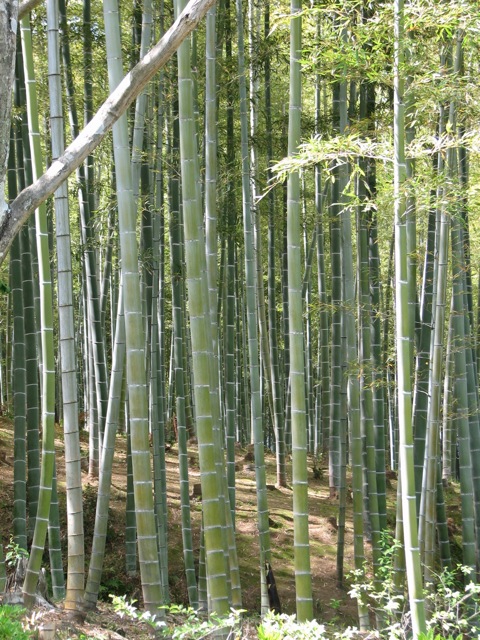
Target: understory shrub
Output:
[(452, 601), (184, 622)]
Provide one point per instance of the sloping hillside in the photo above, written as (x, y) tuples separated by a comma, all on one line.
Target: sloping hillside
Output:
[(331, 603)]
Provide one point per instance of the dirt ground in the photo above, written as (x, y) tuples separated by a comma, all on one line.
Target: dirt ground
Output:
[(331, 603)]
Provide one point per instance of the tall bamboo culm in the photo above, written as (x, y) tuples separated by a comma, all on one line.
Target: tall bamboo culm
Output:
[(403, 333)]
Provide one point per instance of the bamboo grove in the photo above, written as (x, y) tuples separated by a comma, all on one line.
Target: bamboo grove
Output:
[(275, 246)]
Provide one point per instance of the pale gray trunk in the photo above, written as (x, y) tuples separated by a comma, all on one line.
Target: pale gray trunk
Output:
[(8, 32)]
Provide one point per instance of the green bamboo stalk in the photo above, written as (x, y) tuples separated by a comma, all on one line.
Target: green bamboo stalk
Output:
[(157, 391), (465, 266), (211, 242), (449, 436), (54, 544), (105, 478), (141, 102), (307, 297), (243, 429), (254, 44), (360, 410), (337, 356), (91, 397), (216, 549), (303, 577), (32, 390), (107, 278), (231, 396), (378, 360), (323, 390), (19, 404), (427, 528), (202, 574), (277, 382), (131, 559), (391, 405), (373, 448), (157, 426), (179, 328), (369, 312), (24, 174), (134, 335), (48, 359), (159, 205), (442, 526), (359, 428), (473, 399), (403, 332), (211, 248), (251, 288), (191, 204), (146, 249), (461, 396), (97, 406), (420, 400), (19, 374), (342, 484), (68, 364)]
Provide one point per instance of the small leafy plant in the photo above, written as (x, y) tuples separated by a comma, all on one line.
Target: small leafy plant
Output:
[(14, 552), (381, 595), (455, 607)]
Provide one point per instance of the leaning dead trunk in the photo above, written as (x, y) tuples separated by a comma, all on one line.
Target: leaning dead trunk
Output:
[(91, 136)]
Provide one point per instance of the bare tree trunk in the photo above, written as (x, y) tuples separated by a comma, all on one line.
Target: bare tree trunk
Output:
[(8, 34)]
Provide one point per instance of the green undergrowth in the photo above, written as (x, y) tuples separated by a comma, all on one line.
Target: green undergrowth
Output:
[(183, 623), (12, 623)]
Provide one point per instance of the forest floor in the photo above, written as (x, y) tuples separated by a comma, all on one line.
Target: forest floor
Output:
[(332, 604)]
